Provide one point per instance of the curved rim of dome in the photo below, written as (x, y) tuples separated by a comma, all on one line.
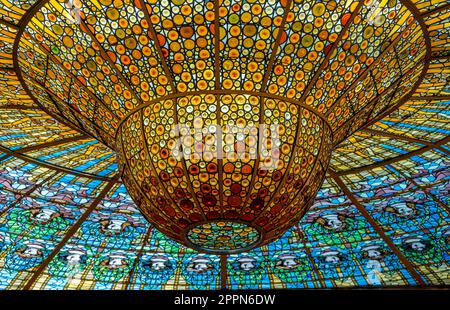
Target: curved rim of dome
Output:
[(418, 17), (201, 249), (223, 92), (52, 166), (407, 3), (38, 5), (18, 71)]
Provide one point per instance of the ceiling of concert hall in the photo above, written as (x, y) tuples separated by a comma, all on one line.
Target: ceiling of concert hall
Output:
[(89, 198)]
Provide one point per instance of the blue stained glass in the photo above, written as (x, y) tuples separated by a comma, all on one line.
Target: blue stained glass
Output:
[(425, 128)]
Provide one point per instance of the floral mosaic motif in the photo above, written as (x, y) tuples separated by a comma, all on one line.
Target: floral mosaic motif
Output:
[(117, 229), (334, 262), (421, 249), (379, 262), (291, 267), (331, 221), (26, 255), (246, 270), (113, 266), (201, 271), (40, 219), (155, 269), (71, 261)]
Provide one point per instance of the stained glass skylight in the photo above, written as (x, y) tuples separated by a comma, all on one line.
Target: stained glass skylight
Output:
[(381, 216)]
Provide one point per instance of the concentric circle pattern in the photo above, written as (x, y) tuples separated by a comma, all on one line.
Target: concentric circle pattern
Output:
[(223, 236)]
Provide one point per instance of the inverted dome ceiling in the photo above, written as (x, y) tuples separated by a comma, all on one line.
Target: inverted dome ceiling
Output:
[(395, 169), (129, 73)]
